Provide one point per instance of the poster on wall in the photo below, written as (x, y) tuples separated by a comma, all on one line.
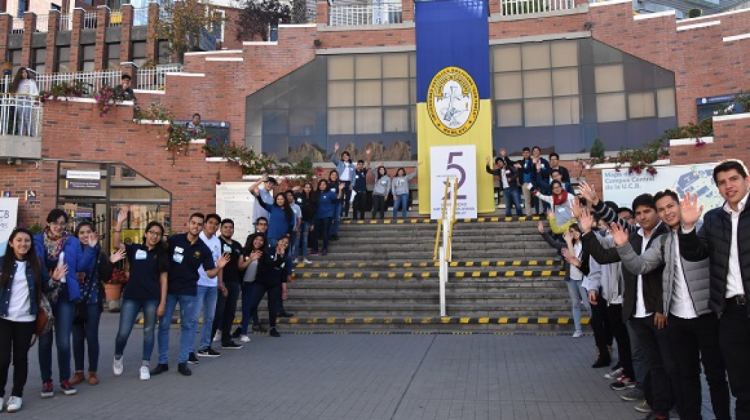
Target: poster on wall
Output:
[(8, 220), (622, 187), (454, 162), (234, 201)]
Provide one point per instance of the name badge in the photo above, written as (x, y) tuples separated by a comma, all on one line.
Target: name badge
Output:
[(299, 200), (227, 249), (177, 258), (141, 254), (384, 182), (333, 189), (561, 209), (179, 249)]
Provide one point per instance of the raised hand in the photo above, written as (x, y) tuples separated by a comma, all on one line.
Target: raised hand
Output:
[(367, 151), (588, 192), (335, 146), (93, 239), (117, 255), (60, 272), (540, 226), (576, 208), (122, 216), (223, 260), (567, 237), (585, 221), (691, 210), (619, 234), (487, 160)]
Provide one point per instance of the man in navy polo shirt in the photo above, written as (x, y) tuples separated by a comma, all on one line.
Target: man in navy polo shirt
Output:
[(186, 253)]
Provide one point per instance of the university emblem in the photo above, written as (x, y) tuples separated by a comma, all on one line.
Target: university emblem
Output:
[(453, 101)]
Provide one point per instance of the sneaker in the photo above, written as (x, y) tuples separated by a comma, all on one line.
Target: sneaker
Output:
[(245, 338), (314, 253), (192, 359), (306, 261), (578, 334), (145, 374), (117, 366), (184, 369), (622, 384), (635, 394), (274, 333), (208, 352), (67, 388), (160, 368), (14, 404), (2, 404), (295, 261), (231, 346), (614, 374), (217, 337), (47, 390), (259, 328), (643, 407)]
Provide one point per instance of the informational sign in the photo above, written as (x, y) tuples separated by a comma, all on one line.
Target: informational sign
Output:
[(70, 174), (8, 220), (83, 184), (6, 193), (234, 201), (454, 162), (622, 187), (31, 195)]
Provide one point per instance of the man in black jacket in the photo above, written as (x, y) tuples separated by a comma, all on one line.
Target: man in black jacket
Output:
[(508, 175), (725, 240)]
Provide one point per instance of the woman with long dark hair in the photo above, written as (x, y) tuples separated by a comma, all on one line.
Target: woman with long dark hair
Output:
[(271, 278), (89, 308), (26, 92), (325, 200), (306, 203), (254, 249), (400, 190), (380, 191), (21, 282), (333, 185), (280, 216), (145, 290)]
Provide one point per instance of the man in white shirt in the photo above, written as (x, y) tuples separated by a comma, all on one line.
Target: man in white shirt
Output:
[(725, 240)]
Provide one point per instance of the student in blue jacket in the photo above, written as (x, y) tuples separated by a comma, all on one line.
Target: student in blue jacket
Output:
[(280, 217)]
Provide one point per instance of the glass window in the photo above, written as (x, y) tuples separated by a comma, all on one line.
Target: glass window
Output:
[(369, 121), (39, 62), (395, 65), (537, 84), (641, 105), (340, 94), (139, 53), (609, 78), (113, 56), (63, 59), (14, 56), (565, 81), (507, 58), (341, 121), (509, 114), (538, 112), (87, 58), (396, 120), (665, 102), (508, 86), (368, 93), (396, 92), (610, 107), (567, 110), (368, 66), (340, 68), (165, 54), (565, 54), (535, 56)]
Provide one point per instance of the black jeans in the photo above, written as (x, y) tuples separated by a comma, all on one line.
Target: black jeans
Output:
[(662, 367), (600, 324), (274, 296), (225, 311), (378, 206), (694, 341), (347, 198), (734, 339), (620, 332), (323, 227), (14, 345), (360, 202)]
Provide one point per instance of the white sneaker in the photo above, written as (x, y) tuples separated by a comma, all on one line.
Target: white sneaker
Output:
[(306, 261), (117, 366), (145, 374), (217, 337), (614, 374), (296, 261), (244, 338), (14, 404), (2, 404), (577, 334)]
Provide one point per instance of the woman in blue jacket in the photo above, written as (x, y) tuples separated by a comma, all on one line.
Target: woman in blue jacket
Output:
[(326, 201), (21, 282), (51, 246), (280, 217)]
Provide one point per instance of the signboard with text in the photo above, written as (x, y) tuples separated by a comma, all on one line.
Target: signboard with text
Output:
[(454, 162), (8, 220)]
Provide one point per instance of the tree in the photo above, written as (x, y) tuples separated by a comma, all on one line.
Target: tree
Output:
[(299, 11), (183, 22), (257, 16)]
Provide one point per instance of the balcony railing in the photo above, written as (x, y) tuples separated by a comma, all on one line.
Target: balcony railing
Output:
[(365, 14), (17, 26), (42, 23), (20, 115), (155, 78), (140, 16), (525, 7), (115, 18), (66, 22), (94, 80), (89, 20)]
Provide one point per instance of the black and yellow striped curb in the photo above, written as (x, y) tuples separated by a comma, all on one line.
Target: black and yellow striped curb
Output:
[(446, 320), (516, 263), (432, 274), (414, 221)]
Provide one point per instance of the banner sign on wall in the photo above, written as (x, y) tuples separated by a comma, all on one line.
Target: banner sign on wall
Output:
[(8, 220), (454, 162), (622, 187)]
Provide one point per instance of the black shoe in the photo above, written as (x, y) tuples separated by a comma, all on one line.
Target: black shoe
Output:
[(192, 359), (274, 333), (160, 368), (231, 346), (208, 352), (259, 328), (334, 238), (184, 369), (286, 314), (237, 333)]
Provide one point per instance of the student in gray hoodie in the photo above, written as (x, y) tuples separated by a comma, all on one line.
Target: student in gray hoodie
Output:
[(380, 191), (400, 189)]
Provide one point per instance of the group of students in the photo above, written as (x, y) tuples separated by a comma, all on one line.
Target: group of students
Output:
[(671, 289), (203, 269)]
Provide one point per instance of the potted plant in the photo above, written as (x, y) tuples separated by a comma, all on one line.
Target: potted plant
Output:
[(113, 287)]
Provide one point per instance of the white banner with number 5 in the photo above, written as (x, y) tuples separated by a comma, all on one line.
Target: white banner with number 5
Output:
[(454, 162)]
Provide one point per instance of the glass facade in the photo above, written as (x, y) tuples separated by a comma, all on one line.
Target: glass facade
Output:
[(560, 95)]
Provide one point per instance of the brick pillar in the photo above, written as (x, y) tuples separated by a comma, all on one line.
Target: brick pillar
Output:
[(322, 12), (76, 51), (102, 22), (52, 25), (407, 7), (152, 41), (495, 7), (6, 24), (126, 28), (29, 26)]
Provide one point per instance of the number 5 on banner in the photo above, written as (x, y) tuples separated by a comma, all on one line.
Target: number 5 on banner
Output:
[(460, 169)]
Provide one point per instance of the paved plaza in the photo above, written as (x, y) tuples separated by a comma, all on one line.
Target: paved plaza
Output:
[(351, 376)]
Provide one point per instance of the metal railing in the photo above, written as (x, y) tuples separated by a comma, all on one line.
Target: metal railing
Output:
[(42, 23), (140, 16), (525, 7), (356, 14), (93, 79), (155, 78), (89, 20), (17, 27), (444, 250), (20, 115), (66, 22), (115, 18)]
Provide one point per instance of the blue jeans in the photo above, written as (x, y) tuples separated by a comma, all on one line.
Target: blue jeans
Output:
[(512, 199), (247, 309), (577, 293), (128, 313), (63, 310), (25, 122), (401, 201), (293, 244), (323, 226), (639, 361), (205, 300), (87, 331), (304, 230), (336, 219), (187, 334)]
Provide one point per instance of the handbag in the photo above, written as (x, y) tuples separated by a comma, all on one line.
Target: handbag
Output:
[(44, 317)]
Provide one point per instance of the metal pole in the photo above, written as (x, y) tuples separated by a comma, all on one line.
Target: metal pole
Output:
[(443, 280)]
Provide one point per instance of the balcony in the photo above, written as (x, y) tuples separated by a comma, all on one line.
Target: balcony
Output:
[(527, 7), (359, 14), (20, 126)]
